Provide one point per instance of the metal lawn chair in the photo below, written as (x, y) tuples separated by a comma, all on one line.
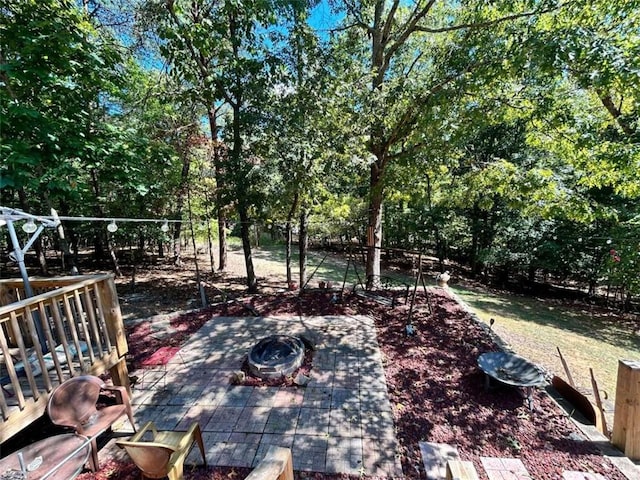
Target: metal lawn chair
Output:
[(73, 404)]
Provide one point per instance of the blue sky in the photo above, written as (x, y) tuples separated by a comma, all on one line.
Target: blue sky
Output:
[(322, 19)]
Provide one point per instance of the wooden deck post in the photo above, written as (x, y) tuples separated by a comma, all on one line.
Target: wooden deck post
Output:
[(109, 300), (120, 375), (626, 421)]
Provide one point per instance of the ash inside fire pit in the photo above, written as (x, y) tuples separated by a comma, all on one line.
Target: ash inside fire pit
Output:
[(276, 356)]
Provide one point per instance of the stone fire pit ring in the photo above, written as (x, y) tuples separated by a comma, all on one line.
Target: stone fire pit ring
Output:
[(276, 356)]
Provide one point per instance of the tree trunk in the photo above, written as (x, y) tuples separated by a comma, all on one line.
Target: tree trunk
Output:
[(209, 236), (177, 248), (98, 244), (476, 241), (212, 262), (531, 274), (69, 260), (241, 186), (303, 244), (374, 228), (182, 193), (203, 297), (113, 256), (287, 251), (222, 241), (627, 302), (289, 235), (220, 185), (245, 232)]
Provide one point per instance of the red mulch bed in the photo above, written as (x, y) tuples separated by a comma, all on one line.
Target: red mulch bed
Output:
[(435, 387)]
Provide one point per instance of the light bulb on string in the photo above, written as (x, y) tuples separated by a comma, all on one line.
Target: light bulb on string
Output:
[(30, 226), (165, 226), (112, 227), (609, 241)]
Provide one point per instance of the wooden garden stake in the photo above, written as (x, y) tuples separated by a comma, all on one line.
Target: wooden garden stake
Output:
[(602, 423), (566, 368)]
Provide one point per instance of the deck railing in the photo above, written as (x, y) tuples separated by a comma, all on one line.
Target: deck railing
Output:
[(72, 326)]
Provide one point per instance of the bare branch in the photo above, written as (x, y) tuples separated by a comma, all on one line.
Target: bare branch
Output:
[(413, 64), (487, 23), (389, 23), (409, 28), (351, 25), (359, 21), (412, 113), (616, 113)]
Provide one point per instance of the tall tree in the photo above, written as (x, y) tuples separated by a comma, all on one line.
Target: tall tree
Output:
[(293, 136), (189, 34), (418, 54)]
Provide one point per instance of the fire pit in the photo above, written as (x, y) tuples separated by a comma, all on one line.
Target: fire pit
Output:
[(512, 370), (276, 356)]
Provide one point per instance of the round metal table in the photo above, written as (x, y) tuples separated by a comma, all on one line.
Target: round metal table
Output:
[(57, 457)]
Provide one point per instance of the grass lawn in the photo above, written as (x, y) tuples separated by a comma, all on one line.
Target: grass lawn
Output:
[(535, 327)]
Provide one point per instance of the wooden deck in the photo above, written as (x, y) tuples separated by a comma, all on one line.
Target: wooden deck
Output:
[(72, 326)]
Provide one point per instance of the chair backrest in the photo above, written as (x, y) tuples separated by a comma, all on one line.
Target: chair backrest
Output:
[(73, 402), (150, 457)]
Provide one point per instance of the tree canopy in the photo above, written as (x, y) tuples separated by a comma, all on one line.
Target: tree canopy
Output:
[(501, 135)]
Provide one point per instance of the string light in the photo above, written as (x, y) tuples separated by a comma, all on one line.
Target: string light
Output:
[(116, 219), (30, 226)]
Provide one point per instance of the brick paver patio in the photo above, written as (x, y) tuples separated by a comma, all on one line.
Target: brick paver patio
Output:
[(340, 423)]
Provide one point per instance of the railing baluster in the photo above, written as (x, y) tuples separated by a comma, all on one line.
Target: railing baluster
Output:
[(31, 326), (83, 325), (102, 317), (74, 332), (57, 318), (87, 302), (23, 354), (52, 345), (11, 371), (3, 405)]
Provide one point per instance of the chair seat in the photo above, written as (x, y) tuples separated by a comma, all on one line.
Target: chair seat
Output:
[(102, 420), (164, 454), (177, 439)]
